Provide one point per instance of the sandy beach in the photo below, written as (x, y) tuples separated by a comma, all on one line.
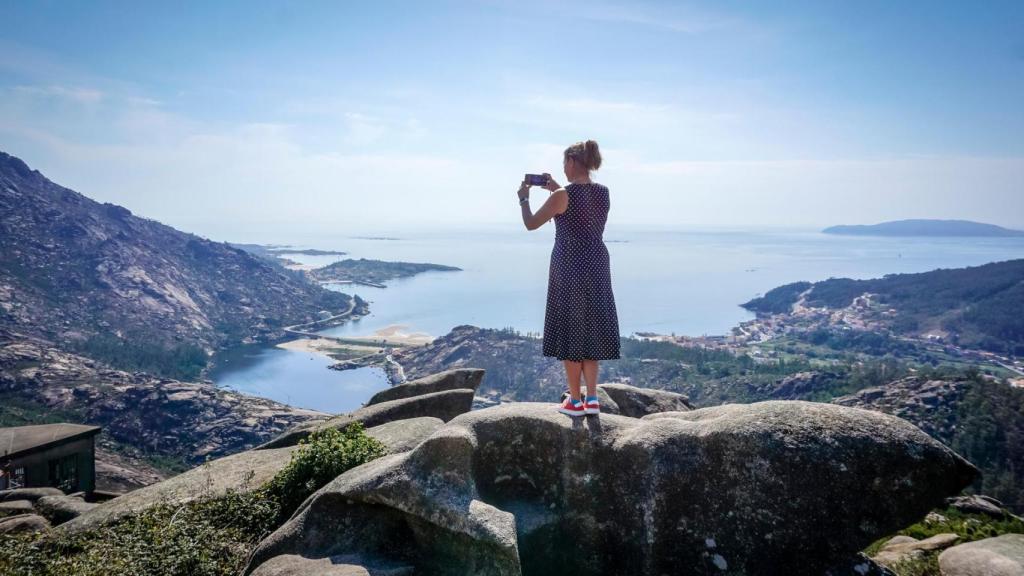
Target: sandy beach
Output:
[(324, 346), (394, 334)]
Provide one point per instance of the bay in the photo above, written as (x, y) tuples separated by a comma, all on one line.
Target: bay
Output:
[(295, 378), (666, 281)]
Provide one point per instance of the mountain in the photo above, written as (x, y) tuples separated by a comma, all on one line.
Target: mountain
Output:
[(97, 279), (976, 307), (924, 228)]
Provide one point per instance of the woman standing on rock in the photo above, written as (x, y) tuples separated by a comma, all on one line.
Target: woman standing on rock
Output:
[(581, 325)]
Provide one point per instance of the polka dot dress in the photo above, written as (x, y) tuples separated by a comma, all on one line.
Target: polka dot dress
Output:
[(580, 322)]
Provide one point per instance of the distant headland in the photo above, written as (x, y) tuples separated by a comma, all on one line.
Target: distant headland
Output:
[(925, 228)]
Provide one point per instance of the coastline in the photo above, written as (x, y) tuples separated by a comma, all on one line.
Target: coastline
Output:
[(391, 334)]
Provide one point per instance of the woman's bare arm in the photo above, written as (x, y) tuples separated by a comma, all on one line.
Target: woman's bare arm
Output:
[(556, 203)]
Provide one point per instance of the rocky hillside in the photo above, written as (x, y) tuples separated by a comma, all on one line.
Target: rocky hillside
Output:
[(517, 371), (515, 367), (144, 419), (91, 277)]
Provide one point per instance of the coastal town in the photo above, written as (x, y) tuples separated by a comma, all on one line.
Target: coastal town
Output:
[(866, 314)]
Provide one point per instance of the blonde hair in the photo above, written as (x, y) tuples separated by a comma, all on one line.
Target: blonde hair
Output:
[(585, 153)]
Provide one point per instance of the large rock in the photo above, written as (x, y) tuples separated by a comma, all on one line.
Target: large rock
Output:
[(242, 472), (292, 565), (60, 509), (456, 379), (404, 435), (30, 494), (900, 548), (15, 507), (979, 504), (445, 405), (999, 556), (23, 523), (639, 402), (767, 488)]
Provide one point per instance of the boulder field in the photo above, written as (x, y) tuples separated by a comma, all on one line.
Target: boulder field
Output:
[(780, 487)]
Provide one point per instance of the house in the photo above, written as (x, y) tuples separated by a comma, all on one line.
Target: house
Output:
[(58, 455)]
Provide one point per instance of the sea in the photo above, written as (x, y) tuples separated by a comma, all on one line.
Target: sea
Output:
[(667, 281)]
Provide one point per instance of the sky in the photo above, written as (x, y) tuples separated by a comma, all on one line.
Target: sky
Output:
[(232, 118)]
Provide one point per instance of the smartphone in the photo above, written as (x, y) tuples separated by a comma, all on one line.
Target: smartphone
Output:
[(536, 179)]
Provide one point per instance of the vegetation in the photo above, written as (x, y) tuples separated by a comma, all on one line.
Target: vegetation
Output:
[(969, 527), (990, 434), (322, 457), (778, 300), (143, 354), (711, 377), (210, 536), (858, 341), (15, 411)]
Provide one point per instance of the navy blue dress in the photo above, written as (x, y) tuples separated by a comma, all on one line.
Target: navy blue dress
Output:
[(580, 322)]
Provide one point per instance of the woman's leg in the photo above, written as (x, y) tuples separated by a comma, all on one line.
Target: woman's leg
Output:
[(572, 373), (590, 374)]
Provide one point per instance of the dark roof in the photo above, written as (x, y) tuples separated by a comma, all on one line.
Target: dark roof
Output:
[(17, 440)]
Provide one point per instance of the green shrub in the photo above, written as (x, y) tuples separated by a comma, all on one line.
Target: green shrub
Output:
[(210, 536), (323, 456)]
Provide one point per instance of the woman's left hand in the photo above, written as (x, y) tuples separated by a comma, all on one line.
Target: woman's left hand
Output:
[(551, 185)]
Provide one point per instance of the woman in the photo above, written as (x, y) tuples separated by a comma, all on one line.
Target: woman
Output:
[(581, 325)]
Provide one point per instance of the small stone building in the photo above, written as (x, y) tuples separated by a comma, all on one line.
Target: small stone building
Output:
[(58, 455)]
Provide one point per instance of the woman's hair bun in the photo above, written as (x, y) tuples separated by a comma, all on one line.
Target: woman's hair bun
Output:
[(587, 153)]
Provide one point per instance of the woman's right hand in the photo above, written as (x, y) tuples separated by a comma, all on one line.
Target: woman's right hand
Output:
[(551, 186)]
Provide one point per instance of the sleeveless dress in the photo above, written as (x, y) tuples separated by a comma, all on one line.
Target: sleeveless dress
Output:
[(580, 321)]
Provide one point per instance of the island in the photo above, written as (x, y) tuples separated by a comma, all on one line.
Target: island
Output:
[(948, 228), (372, 272), (308, 251)]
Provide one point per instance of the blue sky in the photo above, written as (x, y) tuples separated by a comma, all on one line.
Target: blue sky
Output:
[(226, 118)]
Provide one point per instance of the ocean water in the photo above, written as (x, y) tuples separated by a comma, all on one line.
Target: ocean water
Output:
[(667, 281)]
